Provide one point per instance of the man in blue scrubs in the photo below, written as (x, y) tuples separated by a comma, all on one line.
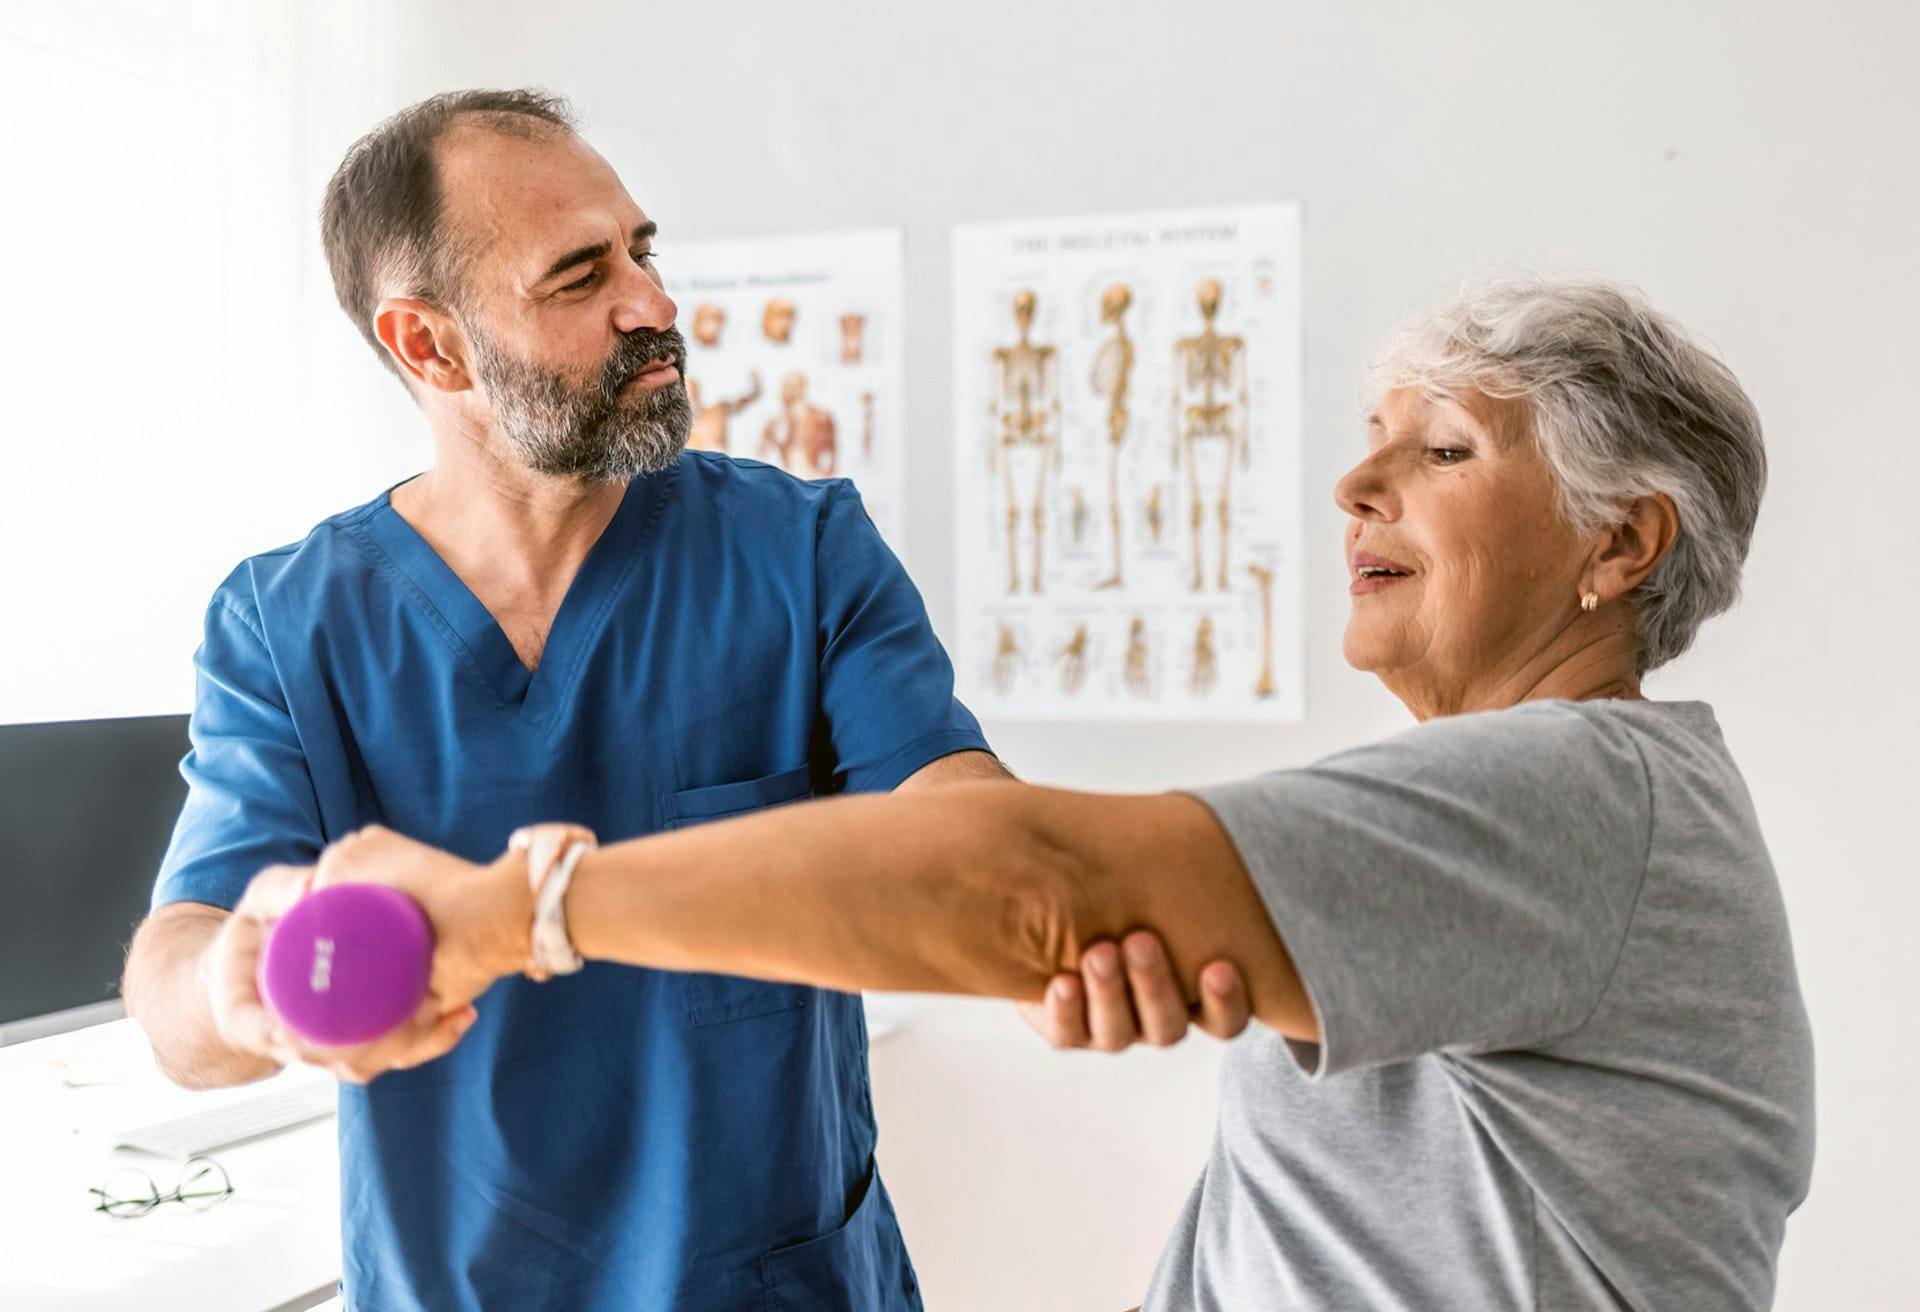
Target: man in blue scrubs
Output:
[(565, 616)]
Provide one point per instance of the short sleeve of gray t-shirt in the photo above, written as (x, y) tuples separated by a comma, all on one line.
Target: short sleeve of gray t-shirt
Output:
[(1463, 886), (1563, 1060)]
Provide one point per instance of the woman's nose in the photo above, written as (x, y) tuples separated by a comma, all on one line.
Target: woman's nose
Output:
[(1366, 492)]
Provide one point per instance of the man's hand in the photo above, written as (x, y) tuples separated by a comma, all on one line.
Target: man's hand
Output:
[(228, 969), (1126, 994)]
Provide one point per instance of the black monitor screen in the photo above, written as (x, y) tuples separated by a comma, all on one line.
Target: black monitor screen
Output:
[(86, 808)]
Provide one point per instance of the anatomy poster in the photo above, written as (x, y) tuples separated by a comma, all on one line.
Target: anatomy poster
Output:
[(1127, 407), (794, 356)]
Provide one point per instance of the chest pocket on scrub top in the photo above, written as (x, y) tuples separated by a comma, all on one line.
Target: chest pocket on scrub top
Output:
[(714, 999)]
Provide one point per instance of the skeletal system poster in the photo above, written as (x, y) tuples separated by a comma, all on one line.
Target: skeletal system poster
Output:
[(794, 356), (1128, 465)]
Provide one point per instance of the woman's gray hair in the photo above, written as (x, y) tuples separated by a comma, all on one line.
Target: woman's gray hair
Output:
[(1622, 404)]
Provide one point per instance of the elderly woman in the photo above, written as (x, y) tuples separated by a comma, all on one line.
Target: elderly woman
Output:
[(1531, 1035)]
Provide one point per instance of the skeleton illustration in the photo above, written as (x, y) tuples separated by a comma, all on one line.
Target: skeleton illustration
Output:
[(1136, 668), (776, 321), (1024, 413), (1156, 514), (1204, 662), (1072, 661), (1264, 576), (866, 425), (802, 434), (1079, 517), (1210, 403), (709, 321), (1006, 659), (1112, 369), (710, 421), (853, 338)]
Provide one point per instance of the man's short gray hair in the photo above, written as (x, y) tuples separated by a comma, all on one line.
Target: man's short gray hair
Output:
[(381, 221), (1622, 404)]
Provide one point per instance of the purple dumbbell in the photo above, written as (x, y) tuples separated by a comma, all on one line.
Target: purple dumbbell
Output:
[(347, 964)]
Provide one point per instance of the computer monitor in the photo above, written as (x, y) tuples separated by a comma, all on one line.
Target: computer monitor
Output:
[(86, 808)]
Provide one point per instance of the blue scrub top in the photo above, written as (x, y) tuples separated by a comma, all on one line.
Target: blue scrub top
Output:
[(620, 1138)]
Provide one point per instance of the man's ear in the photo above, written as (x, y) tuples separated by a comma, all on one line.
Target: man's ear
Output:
[(1634, 547), (423, 339)]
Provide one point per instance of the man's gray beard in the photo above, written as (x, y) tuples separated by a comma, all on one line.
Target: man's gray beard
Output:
[(589, 432)]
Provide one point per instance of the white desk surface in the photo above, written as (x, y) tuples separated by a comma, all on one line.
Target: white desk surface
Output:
[(274, 1244), (1024, 1178)]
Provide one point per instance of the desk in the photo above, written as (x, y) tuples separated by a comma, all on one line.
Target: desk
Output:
[(274, 1245), (1024, 1178)]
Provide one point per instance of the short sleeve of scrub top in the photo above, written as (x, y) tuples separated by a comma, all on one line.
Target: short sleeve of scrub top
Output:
[(880, 664), (250, 803)]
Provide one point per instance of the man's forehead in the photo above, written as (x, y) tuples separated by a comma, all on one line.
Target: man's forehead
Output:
[(517, 199)]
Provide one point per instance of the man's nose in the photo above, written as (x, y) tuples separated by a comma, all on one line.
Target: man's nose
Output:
[(640, 302)]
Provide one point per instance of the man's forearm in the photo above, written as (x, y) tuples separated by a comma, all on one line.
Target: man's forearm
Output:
[(165, 995)]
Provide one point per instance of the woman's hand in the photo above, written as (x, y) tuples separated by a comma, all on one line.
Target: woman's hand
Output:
[(482, 916)]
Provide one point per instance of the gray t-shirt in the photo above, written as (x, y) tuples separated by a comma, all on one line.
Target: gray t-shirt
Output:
[(1563, 1060)]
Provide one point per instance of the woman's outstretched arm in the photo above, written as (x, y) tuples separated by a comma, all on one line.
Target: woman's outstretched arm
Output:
[(978, 888), (991, 888)]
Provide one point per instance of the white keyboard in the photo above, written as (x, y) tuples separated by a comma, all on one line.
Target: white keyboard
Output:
[(234, 1122)]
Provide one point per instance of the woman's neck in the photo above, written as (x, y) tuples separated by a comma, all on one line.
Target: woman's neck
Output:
[(1606, 666)]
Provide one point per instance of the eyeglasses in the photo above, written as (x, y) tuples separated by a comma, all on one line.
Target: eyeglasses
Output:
[(131, 1192)]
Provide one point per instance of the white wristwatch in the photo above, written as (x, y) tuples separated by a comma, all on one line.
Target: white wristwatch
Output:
[(552, 853)]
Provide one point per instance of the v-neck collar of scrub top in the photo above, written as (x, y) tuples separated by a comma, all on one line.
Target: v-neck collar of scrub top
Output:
[(470, 628)]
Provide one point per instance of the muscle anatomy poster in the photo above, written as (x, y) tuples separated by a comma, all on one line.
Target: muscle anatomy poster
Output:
[(1127, 398), (795, 357)]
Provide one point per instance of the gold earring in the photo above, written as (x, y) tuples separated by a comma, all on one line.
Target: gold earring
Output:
[(1590, 602)]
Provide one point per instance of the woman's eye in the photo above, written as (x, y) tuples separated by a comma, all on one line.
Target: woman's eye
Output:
[(1447, 455)]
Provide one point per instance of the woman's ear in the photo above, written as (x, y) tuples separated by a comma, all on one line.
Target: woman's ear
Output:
[(1634, 547)]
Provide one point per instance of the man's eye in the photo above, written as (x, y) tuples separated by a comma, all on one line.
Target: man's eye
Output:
[(644, 258), (581, 284)]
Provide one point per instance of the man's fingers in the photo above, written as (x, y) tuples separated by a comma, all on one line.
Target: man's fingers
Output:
[(440, 1040), (233, 994), (1065, 1009), (417, 1042), (399, 1046), (349, 1073), (1223, 1000), (1157, 997), (1109, 1013)]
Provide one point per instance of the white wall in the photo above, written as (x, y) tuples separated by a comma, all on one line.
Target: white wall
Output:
[(1752, 166), (180, 390)]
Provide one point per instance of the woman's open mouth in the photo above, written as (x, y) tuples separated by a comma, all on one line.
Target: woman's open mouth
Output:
[(1372, 573)]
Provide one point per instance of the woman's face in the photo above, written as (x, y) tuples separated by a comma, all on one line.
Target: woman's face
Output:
[(1460, 568)]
